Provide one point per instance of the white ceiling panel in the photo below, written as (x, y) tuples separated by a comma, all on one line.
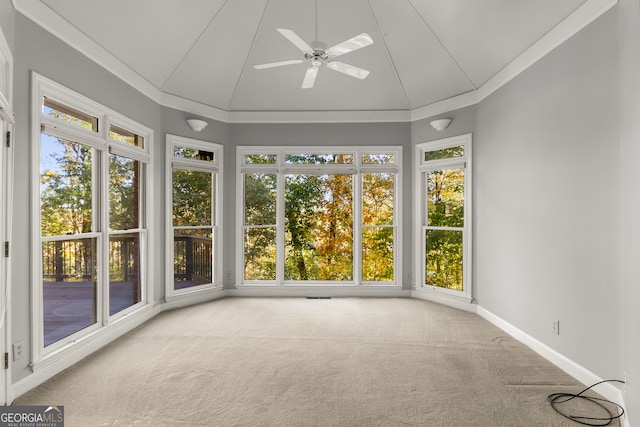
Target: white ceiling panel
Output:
[(485, 36), (212, 68), (150, 36), (203, 52), (428, 73)]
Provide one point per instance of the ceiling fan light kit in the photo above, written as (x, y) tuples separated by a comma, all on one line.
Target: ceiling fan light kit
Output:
[(317, 55)]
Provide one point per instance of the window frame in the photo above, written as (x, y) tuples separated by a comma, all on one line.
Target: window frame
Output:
[(357, 169), (421, 167), (216, 168), (101, 146)]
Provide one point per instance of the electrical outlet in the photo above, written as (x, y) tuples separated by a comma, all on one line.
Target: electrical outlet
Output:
[(18, 350), (555, 327), (228, 275)]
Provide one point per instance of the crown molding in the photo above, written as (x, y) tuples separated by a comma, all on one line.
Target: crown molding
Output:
[(319, 116), (193, 107), (46, 18), (580, 18), (444, 106)]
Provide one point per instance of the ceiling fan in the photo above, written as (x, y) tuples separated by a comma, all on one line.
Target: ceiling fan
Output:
[(317, 54)]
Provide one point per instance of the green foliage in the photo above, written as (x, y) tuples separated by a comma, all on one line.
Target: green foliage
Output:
[(444, 259), (260, 253), (444, 153), (66, 188), (302, 194), (377, 254), (260, 159), (445, 198), (445, 208), (192, 197), (124, 193), (259, 241), (377, 242)]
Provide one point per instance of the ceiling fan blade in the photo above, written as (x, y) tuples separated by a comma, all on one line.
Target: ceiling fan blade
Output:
[(350, 45), (310, 77), (296, 40), (347, 69), (278, 64)]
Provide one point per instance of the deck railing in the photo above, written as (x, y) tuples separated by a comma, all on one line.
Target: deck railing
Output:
[(75, 259), (192, 257)]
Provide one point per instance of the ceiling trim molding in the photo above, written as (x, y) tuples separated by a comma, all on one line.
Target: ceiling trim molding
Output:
[(444, 106), (193, 107), (46, 18), (319, 116), (580, 18)]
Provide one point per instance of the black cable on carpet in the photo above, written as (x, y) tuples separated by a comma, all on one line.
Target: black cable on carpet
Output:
[(557, 399)]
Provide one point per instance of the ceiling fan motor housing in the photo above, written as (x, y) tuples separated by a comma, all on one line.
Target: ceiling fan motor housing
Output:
[(319, 55)]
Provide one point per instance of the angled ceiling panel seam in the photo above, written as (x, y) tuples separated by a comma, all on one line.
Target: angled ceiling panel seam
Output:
[(195, 42), (374, 19), (249, 55), (449, 54)]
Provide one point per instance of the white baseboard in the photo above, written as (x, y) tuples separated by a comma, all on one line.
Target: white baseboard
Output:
[(191, 298), (454, 301), (586, 377), (319, 291), (80, 350)]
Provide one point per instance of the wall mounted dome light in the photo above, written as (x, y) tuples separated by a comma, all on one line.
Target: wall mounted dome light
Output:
[(197, 125), (440, 124)]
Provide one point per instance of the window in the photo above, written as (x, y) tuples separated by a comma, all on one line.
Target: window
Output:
[(319, 217), (92, 189), (444, 204), (194, 261)]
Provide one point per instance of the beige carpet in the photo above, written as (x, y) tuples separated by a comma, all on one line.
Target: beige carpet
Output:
[(305, 362)]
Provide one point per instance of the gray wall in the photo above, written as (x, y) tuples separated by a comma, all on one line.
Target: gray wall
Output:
[(322, 135), (463, 121), (547, 197), (7, 23), (629, 39)]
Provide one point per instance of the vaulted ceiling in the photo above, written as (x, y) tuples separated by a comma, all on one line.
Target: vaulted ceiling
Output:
[(202, 52)]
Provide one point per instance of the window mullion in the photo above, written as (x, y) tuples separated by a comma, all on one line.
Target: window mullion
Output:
[(62, 130), (280, 224), (102, 211), (357, 229)]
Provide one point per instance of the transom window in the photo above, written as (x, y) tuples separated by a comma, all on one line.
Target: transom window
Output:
[(311, 216), (443, 192)]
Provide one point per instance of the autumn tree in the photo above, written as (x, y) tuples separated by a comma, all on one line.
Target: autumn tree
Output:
[(445, 205)]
